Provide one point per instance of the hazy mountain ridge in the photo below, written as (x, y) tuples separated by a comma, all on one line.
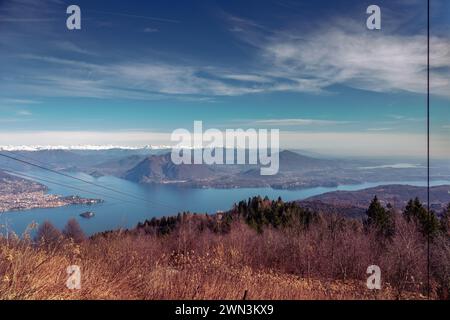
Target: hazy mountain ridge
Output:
[(356, 202), (297, 170), (161, 169)]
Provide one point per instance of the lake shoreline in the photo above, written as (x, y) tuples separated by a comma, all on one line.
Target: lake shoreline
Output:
[(120, 211), (24, 201)]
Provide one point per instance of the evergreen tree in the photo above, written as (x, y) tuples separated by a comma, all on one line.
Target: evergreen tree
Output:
[(380, 218), (431, 224), (414, 210), (445, 221), (417, 213)]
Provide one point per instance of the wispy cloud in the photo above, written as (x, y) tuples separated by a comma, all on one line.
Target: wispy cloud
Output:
[(146, 80), (246, 77), (406, 118), (25, 113), (136, 16), (379, 129), (12, 120), (6, 19), (348, 55), (72, 47), (297, 122), (18, 101), (282, 60), (151, 30)]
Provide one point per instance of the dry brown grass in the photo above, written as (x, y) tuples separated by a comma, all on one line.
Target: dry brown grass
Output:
[(189, 264)]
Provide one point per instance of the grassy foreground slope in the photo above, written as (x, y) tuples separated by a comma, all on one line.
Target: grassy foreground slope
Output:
[(284, 253)]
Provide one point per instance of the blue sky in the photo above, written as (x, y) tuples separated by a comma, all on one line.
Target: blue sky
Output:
[(138, 70)]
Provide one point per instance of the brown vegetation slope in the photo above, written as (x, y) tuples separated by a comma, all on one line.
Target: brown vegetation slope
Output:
[(198, 258)]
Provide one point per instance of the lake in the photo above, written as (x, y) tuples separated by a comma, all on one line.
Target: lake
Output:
[(123, 211)]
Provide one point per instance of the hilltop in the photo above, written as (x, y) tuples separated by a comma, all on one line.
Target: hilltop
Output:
[(354, 203)]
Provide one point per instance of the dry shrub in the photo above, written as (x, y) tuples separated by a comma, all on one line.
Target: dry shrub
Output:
[(326, 260), (440, 266), (404, 261)]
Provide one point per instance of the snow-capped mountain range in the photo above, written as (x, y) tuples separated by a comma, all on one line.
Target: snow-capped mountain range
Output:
[(81, 147)]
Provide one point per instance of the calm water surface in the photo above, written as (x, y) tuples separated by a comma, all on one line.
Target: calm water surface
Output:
[(161, 200)]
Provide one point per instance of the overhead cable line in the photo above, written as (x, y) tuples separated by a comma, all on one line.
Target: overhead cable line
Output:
[(87, 181)]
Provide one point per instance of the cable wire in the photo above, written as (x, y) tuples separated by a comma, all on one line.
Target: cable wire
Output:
[(88, 182)]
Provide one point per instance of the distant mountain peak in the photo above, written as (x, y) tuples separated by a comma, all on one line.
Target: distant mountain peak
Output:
[(80, 147)]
